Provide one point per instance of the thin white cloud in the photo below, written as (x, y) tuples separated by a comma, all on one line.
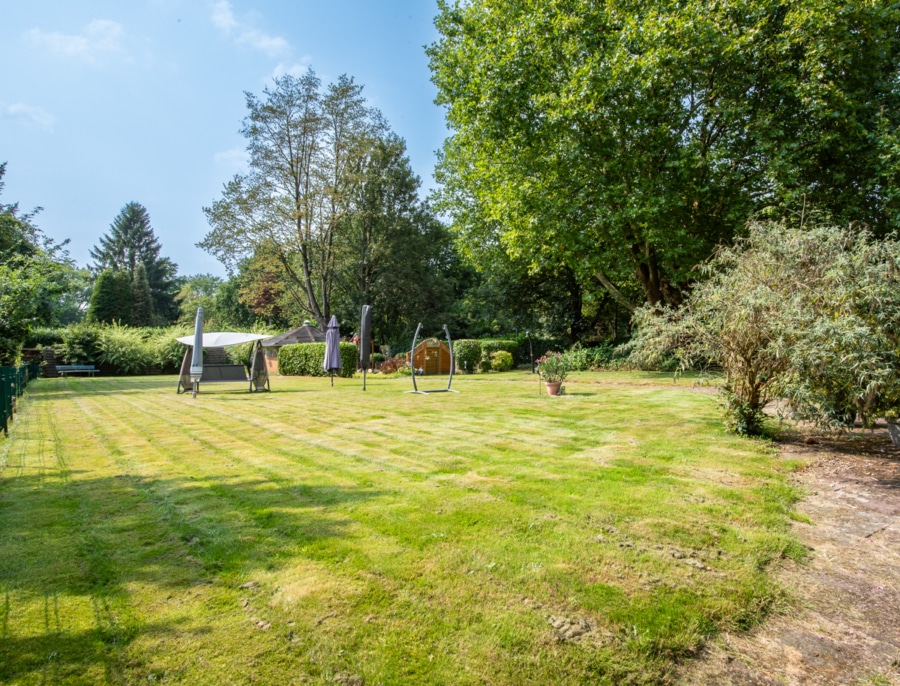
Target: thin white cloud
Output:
[(222, 16), (223, 19), (234, 160), (27, 114), (295, 69), (97, 41)]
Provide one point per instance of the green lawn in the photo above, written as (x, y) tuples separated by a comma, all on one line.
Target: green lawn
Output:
[(326, 535)]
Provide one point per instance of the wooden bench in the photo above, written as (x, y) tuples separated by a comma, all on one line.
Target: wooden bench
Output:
[(65, 369)]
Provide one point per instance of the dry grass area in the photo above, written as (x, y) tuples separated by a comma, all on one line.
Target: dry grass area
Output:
[(844, 624), (326, 535)]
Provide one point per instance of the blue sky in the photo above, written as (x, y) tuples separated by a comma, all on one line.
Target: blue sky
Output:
[(104, 103)]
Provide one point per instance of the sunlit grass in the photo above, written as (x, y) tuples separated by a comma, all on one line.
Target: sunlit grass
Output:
[(322, 535)]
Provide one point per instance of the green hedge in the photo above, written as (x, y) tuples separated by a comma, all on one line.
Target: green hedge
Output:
[(474, 354), (492, 345), (306, 359), (468, 354)]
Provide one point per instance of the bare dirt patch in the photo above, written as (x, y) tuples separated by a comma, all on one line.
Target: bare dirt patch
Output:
[(844, 624)]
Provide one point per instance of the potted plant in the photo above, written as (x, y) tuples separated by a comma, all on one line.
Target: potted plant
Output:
[(553, 371)]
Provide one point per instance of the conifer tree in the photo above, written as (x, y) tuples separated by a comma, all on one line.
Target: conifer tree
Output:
[(130, 241), (112, 299), (142, 310)]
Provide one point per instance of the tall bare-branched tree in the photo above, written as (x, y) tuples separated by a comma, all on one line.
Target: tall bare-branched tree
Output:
[(302, 144)]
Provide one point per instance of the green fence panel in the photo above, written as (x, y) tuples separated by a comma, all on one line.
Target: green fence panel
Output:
[(7, 390), (13, 381)]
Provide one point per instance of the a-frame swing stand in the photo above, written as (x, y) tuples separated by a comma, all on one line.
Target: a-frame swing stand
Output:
[(412, 368)]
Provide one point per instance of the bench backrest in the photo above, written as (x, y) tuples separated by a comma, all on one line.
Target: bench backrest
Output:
[(223, 372)]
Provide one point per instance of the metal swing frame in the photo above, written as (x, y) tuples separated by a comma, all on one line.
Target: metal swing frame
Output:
[(412, 358)]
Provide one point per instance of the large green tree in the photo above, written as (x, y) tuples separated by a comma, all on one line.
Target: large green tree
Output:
[(626, 139), (33, 275), (392, 252), (131, 241), (304, 143)]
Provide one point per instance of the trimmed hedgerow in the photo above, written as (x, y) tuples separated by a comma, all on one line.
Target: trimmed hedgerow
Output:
[(44, 337), (474, 354), (492, 345), (80, 343), (468, 354), (306, 359)]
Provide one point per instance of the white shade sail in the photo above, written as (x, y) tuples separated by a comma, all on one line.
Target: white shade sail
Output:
[(219, 339)]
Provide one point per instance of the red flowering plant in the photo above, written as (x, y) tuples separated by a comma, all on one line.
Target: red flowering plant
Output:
[(552, 367)]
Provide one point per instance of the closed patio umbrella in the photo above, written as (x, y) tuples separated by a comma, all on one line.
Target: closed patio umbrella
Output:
[(332, 348), (197, 356), (365, 335)]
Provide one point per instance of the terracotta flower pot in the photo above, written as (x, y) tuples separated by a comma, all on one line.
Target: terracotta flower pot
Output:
[(553, 387)]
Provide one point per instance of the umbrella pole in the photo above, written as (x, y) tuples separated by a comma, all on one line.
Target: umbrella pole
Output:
[(332, 378)]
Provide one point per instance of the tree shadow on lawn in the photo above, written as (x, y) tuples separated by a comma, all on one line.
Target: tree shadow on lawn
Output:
[(77, 555), (78, 535), (86, 656)]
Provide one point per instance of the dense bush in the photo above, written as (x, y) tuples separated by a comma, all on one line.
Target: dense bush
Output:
[(126, 349), (811, 315), (468, 354), (580, 359), (502, 361), (80, 343), (474, 354), (492, 345), (167, 351), (394, 365), (306, 359)]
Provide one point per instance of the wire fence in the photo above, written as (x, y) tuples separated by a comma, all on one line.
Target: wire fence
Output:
[(13, 381)]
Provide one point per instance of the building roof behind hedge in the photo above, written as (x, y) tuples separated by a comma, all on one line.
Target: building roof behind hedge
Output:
[(302, 334)]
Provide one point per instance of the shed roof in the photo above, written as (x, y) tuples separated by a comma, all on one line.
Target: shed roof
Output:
[(302, 334)]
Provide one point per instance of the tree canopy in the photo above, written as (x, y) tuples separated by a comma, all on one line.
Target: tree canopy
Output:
[(33, 274), (328, 217), (304, 144), (627, 139)]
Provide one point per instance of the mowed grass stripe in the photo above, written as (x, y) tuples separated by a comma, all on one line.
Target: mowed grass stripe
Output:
[(257, 431), (189, 514), (64, 572), (217, 514), (446, 571)]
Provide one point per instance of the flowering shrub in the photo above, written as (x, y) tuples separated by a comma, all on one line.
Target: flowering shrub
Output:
[(393, 365), (553, 367)]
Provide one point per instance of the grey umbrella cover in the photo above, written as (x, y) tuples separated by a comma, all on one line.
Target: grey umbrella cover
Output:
[(333, 346)]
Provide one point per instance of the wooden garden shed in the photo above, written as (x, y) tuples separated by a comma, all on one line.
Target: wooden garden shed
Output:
[(302, 334), (432, 356)]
